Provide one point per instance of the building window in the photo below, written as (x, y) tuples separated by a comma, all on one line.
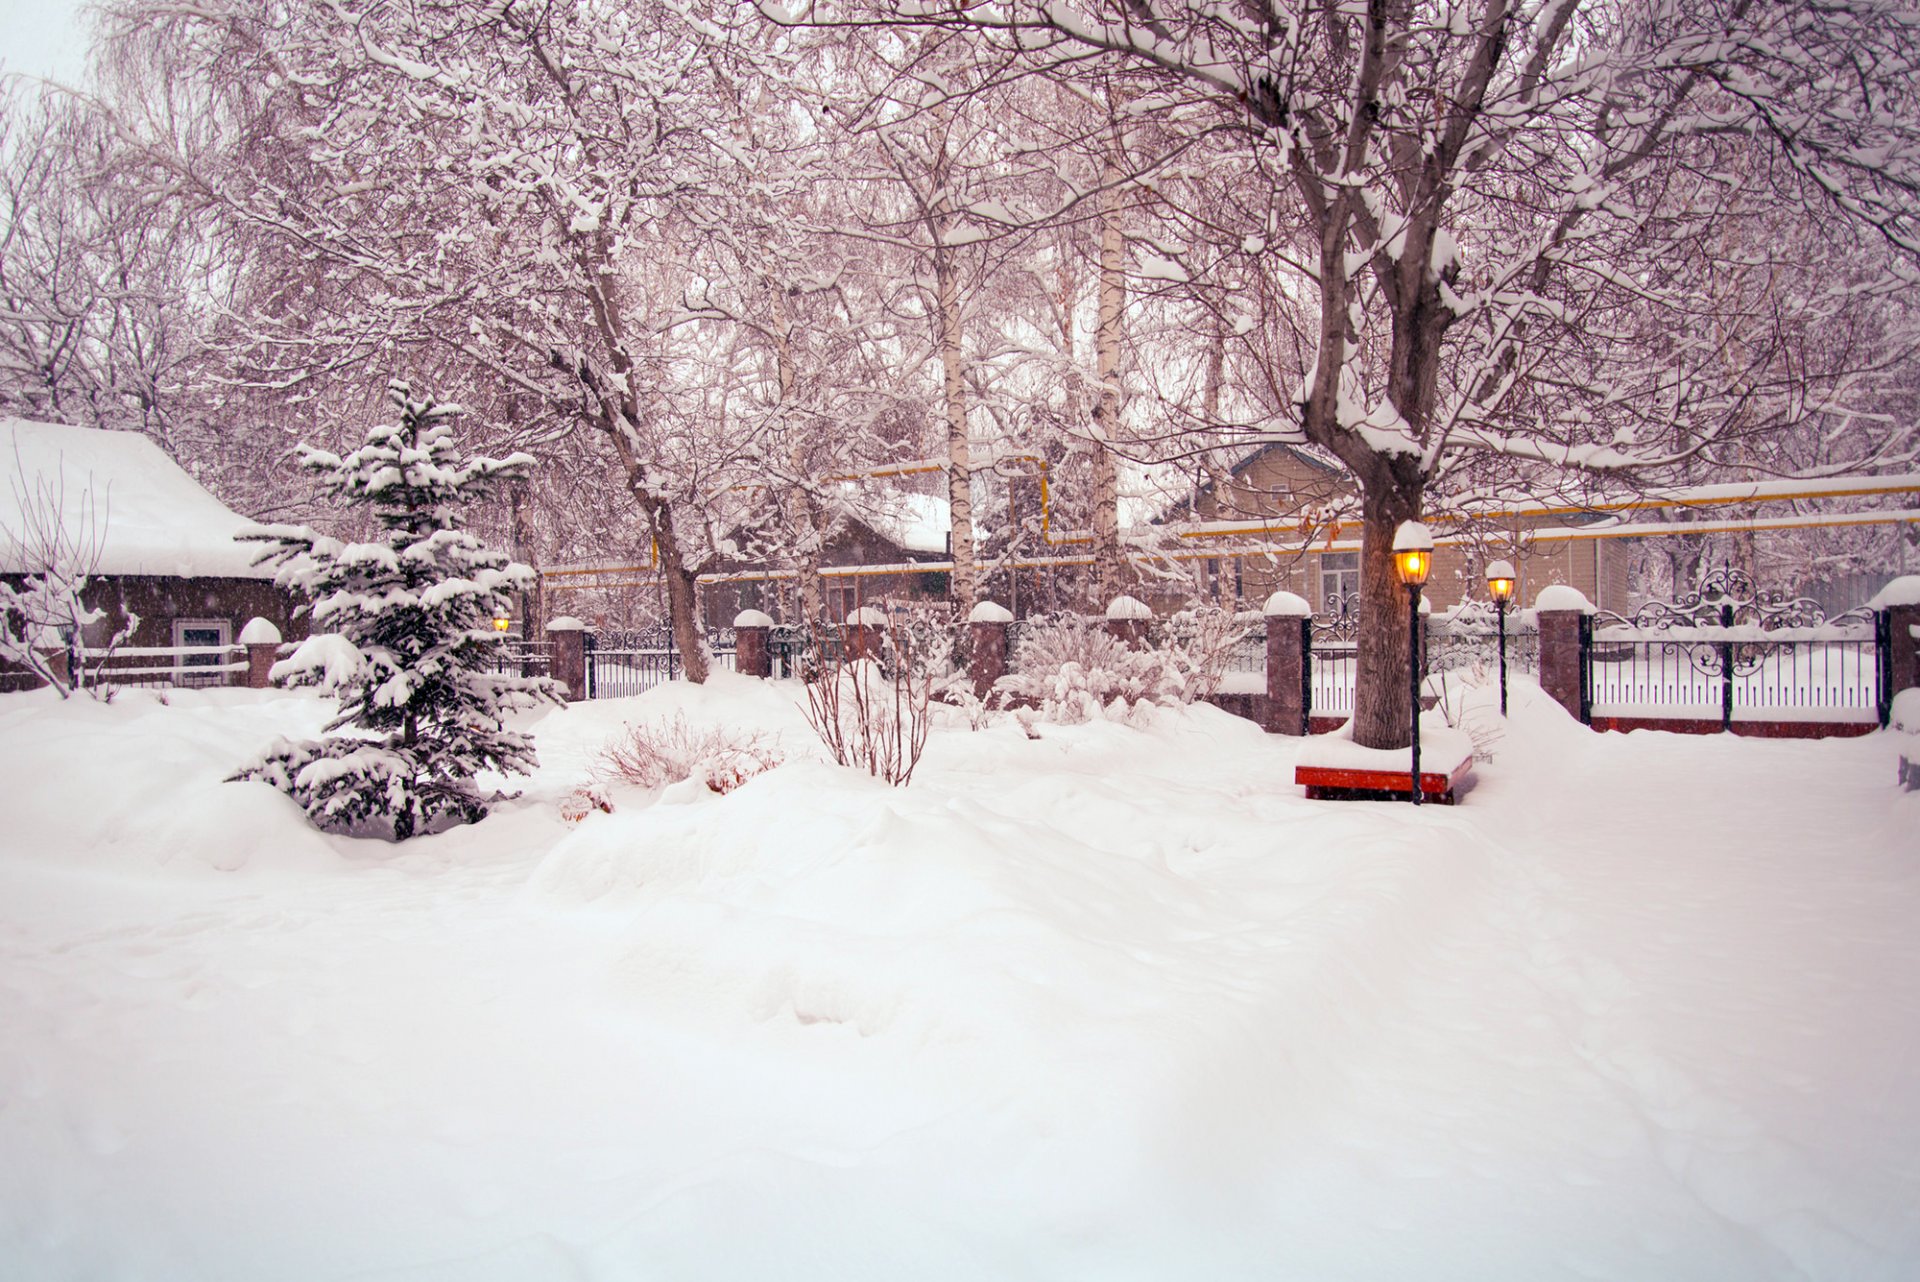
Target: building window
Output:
[(1339, 580), (200, 632)]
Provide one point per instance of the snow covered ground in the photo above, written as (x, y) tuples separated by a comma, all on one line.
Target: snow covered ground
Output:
[(1110, 1004)]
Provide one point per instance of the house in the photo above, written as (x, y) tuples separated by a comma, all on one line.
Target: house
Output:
[(1282, 495), (874, 542), (153, 542)]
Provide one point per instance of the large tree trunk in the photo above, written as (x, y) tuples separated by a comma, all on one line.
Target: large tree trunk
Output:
[(689, 638), (1109, 570), (964, 586), (807, 522), (1381, 700)]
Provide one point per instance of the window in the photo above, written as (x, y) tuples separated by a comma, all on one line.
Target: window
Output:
[(1339, 580), (200, 632)]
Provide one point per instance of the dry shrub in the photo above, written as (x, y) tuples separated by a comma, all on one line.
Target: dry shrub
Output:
[(873, 717), (583, 801), (655, 754)]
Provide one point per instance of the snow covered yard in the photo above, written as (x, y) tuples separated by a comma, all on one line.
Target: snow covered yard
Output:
[(1110, 1004)]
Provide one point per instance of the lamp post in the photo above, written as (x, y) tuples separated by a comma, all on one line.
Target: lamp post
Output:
[(1500, 577), (1413, 560)]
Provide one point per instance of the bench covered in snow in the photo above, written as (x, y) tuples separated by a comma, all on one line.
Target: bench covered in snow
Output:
[(1333, 767)]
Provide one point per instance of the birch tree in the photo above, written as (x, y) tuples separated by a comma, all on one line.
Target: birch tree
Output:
[(1470, 195)]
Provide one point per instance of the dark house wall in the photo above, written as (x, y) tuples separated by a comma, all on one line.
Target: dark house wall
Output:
[(854, 544), (159, 601)]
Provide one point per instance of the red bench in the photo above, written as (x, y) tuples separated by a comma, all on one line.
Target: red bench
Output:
[(1347, 783)]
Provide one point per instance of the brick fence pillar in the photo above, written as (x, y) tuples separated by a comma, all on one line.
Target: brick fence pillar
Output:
[(987, 655), (751, 656), (1560, 610), (1900, 600), (262, 640), (1128, 620), (865, 629), (1289, 651), (1903, 631), (569, 638)]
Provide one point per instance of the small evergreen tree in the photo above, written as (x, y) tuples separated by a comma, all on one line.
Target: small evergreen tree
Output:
[(402, 636)]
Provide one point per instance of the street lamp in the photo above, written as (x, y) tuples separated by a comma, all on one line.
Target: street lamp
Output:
[(1500, 577), (501, 623), (1413, 560)]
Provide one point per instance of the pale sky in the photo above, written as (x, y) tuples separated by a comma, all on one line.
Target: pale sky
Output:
[(43, 38)]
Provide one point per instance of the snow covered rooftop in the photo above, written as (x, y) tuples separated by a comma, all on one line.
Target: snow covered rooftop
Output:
[(151, 517), (917, 522)]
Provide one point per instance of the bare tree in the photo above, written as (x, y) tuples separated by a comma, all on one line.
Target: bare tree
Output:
[(1466, 206)]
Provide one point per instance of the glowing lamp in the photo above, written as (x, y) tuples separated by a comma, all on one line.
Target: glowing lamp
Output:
[(1413, 553), (1500, 580), (501, 623)]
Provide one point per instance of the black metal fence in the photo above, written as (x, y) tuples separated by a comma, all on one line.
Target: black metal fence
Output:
[(516, 658), (620, 664), (1725, 651), (1731, 649)]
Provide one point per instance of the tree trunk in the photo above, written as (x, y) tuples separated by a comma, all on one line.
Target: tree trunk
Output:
[(963, 589), (1109, 570), (1381, 710), (688, 636), (804, 515)]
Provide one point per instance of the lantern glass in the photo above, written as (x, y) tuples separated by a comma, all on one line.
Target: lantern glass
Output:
[(501, 623), (1500, 580), (1413, 564)]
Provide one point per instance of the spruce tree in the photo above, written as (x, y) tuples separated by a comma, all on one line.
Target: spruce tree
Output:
[(402, 636)]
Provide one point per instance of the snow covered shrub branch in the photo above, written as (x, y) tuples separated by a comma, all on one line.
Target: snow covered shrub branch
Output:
[(1202, 643), (873, 716), (655, 754), (404, 637), (43, 619), (1073, 670)]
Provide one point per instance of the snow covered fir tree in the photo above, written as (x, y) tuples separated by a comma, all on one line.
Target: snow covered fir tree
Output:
[(402, 636)]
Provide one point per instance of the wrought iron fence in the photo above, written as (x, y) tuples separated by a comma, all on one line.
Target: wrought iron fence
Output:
[(1730, 647), (1718, 672), (1467, 637), (630, 662), (515, 658)]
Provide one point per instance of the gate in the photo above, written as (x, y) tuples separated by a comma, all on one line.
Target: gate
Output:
[(630, 662), (1732, 648)]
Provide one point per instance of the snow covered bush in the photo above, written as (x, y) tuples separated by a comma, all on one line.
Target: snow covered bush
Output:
[(655, 754), (1202, 643), (1072, 670), (403, 637)]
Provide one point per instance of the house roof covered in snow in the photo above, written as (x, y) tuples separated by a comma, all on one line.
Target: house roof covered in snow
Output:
[(917, 522), (120, 493)]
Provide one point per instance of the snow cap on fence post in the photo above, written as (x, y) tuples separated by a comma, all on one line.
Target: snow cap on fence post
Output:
[(864, 628), (1127, 619), (569, 637), (987, 651), (751, 655), (1289, 643), (1900, 602), (1559, 597), (1560, 610), (262, 641)]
